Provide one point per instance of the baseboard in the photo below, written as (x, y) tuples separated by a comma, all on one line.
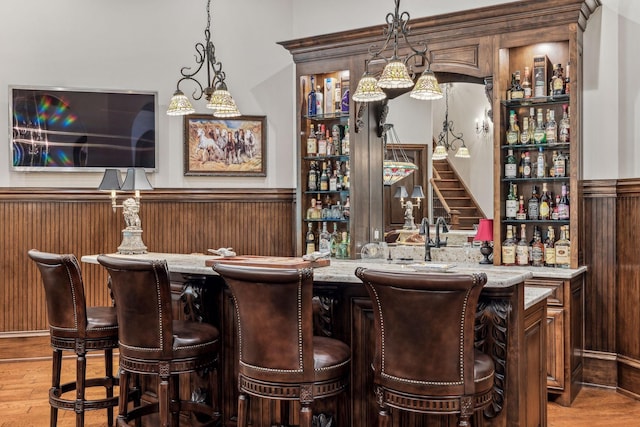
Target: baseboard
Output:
[(600, 368), (24, 345)]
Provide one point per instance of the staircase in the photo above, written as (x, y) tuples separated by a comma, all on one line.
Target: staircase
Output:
[(452, 199)]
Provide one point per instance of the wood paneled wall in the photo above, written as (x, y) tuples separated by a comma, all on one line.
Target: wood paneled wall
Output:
[(252, 221)]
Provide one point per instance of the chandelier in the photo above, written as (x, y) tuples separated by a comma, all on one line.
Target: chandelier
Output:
[(396, 165), (396, 75), (444, 144), (215, 90)]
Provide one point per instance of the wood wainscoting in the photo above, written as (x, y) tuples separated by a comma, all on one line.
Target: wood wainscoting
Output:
[(81, 221)]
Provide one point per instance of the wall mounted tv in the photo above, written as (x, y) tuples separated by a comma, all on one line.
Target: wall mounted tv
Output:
[(54, 129)]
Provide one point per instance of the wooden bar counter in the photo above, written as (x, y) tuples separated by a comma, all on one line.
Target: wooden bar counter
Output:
[(511, 327)]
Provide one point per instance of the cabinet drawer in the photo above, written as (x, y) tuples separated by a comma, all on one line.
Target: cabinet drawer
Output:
[(556, 286)]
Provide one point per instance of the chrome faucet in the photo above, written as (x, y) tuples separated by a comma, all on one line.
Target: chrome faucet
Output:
[(428, 243), (445, 229)]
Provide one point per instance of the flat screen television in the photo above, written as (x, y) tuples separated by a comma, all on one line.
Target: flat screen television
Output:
[(55, 129)]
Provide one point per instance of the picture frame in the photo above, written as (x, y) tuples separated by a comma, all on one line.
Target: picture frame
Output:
[(224, 146)]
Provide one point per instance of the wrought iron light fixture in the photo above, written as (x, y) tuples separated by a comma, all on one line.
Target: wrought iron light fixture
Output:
[(444, 144), (215, 90), (135, 181), (482, 125), (396, 74), (396, 165)]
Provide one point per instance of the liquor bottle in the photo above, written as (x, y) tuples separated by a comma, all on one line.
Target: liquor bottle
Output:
[(539, 134), (532, 121), (346, 209), (324, 240), (545, 212), (344, 103), (559, 166), (513, 134), (337, 139), (510, 166), (541, 164), (333, 181), (312, 142), (346, 181), (567, 79), (509, 248), (557, 81), (311, 99), (526, 83), (511, 204), (525, 134), (510, 88), (322, 141), (554, 211), (563, 204), (343, 247), (550, 248), (312, 178), (517, 91), (552, 129), (339, 177), (537, 250), (526, 168), (345, 141), (522, 248), (564, 129), (533, 205), (319, 101), (522, 214), (563, 248), (324, 178), (334, 241), (521, 166), (310, 240), (312, 209)]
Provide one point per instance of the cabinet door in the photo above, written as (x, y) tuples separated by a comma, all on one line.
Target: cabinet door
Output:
[(555, 348)]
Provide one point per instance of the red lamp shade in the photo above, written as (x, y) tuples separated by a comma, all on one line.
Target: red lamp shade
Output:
[(485, 231)]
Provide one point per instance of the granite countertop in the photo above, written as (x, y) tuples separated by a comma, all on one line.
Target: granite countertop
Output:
[(343, 271)]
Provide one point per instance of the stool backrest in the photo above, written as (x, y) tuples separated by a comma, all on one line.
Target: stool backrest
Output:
[(274, 319), (142, 293), (424, 327), (64, 292)]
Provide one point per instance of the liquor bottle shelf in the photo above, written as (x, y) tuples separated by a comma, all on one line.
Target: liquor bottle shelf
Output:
[(341, 192), (329, 116), (340, 220), (535, 221), (545, 179), (525, 102), (561, 145), (341, 157)]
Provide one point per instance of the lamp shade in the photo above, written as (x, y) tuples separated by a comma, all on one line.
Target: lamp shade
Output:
[(111, 180), (427, 87), (417, 192), (440, 153), (368, 90), (395, 76), (136, 179), (401, 192), (463, 152), (180, 105), (485, 231)]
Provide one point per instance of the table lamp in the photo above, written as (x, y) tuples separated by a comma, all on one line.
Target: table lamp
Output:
[(485, 234)]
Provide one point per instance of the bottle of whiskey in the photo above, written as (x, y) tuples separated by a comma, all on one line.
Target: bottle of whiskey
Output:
[(517, 91), (563, 248), (513, 134), (311, 211), (533, 205), (545, 212), (334, 241), (539, 134), (552, 129), (311, 99), (525, 134), (324, 178), (559, 166), (537, 250), (526, 83), (322, 141), (521, 166), (333, 181), (312, 177), (324, 240), (510, 166), (563, 204), (522, 248), (550, 248), (312, 142), (564, 129), (526, 168), (511, 204), (310, 240), (557, 81), (541, 164), (509, 248)]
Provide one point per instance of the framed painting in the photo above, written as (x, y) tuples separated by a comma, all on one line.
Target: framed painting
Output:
[(216, 146)]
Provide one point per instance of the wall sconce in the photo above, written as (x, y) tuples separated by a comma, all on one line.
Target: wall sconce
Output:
[(485, 234), (136, 180), (482, 125), (417, 194)]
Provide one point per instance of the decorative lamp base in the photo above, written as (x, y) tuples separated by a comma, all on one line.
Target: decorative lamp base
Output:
[(132, 243), (486, 251)]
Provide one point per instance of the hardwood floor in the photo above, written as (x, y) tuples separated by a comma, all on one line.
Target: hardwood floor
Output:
[(24, 400)]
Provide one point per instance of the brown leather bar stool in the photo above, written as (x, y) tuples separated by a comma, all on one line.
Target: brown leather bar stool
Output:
[(425, 360), (75, 327), (151, 342), (279, 356)]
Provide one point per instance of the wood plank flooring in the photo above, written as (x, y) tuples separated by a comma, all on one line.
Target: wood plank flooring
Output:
[(24, 400)]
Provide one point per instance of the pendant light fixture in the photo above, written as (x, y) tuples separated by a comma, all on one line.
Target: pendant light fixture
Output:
[(444, 144), (214, 90), (396, 74)]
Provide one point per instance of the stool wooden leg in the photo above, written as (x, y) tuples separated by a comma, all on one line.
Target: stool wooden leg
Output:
[(174, 400), (384, 420), (163, 401), (123, 398), (81, 372), (56, 367), (305, 415), (242, 410), (108, 372)]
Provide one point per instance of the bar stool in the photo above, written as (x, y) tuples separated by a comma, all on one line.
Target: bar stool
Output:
[(280, 358), (425, 359), (75, 327), (152, 343)]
